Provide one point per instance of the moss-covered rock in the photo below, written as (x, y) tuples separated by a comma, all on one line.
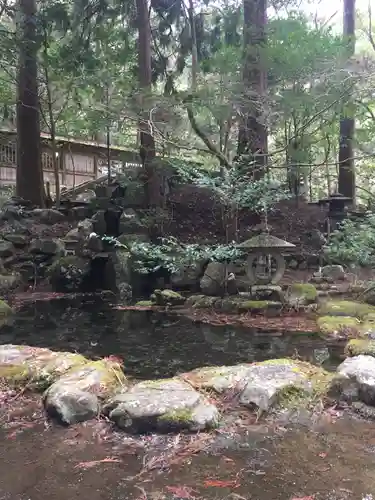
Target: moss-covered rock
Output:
[(201, 301), (345, 308), (167, 298), (5, 310), (301, 294), (218, 378), (284, 382), (37, 367), (77, 395), (145, 303), (163, 405), (259, 306), (339, 327), (355, 347)]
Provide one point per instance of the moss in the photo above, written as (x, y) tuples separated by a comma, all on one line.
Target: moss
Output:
[(355, 347), (293, 395), (205, 301), (167, 297), (145, 303), (14, 375), (5, 310), (304, 290), (339, 326), (177, 416), (346, 308), (257, 305)]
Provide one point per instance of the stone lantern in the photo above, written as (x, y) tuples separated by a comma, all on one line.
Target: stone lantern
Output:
[(265, 262)]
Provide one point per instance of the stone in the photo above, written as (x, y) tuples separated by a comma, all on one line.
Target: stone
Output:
[(35, 366), (47, 246), (267, 381), (85, 227), (99, 223), (18, 240), (161, 405), (267, 292), (125, 292), (78, 395), (130, 222), (188, 277), (68, 274), (213, 281), (47, 215), (167, 298), (6, 248), (80, 213), (9, 282), (94, 243), (334, 271), (301, 294), (220, 379), (5, 310), (355, 380)]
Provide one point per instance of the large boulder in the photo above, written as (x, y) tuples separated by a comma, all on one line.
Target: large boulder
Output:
[(188, 277), (334, 271), (219, 378), (47, 246), (161, 405), (35, 366), (68, 274), (47, 215), (17, 239), (77, 396), (355, 380), (6, 248), (271, 381), (214, 280)]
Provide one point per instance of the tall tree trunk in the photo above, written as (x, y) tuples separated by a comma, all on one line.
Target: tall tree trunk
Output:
[(147, 141), (252, 135), (29, 170), (346, 184)]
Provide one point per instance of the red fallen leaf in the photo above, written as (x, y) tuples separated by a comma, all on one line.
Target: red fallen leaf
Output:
[(93, 463), (216, 483), (311, 497), (181, 491)]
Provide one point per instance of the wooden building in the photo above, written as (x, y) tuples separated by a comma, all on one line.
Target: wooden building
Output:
[(79, 161)]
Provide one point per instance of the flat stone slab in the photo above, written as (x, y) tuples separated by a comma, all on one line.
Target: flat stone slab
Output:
[(162, 405), (35, 366), (219, 378), (355, 380), (266, 382), (77, 395)]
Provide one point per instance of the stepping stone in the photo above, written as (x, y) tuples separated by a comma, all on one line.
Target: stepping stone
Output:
[(161, 405)]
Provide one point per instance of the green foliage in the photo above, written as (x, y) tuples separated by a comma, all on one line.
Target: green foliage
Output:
[(354, 242), (171, 255)]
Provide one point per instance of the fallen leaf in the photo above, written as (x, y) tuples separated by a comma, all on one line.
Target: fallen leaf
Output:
[(93, 463), (322, 455), (181, 491), (311, 497), (216, 483)]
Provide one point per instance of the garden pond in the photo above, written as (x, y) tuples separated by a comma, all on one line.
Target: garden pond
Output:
[(325, 457)]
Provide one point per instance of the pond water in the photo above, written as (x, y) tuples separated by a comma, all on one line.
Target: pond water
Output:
[(327, 458), (154, 344)]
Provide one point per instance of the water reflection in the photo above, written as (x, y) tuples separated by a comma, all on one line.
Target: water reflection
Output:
[(153, 344)]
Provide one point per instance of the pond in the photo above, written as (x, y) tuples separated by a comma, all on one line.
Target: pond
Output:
[(155, 344), (327, 458)]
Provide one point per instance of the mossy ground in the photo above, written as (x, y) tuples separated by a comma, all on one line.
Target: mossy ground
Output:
[(339, 326), (355, 347), (345, 308), (183, 416), (306, 291)]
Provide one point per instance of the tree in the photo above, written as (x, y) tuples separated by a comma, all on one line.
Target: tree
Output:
[(346, 180), (147, 141), (252, 134), (29, 170)]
